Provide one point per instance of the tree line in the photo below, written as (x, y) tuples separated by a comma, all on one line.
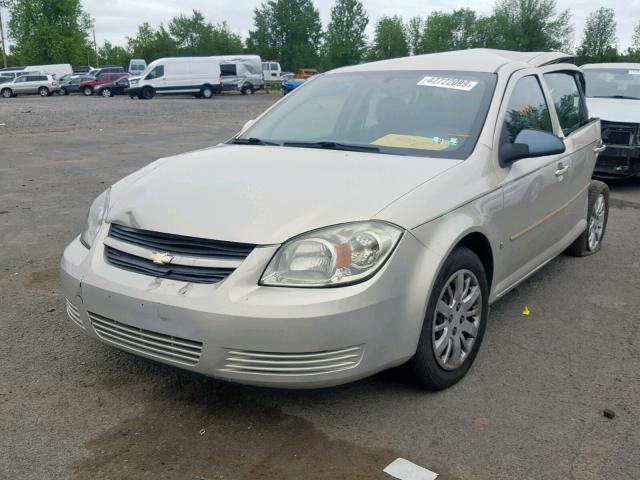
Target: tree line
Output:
[(290, 31)]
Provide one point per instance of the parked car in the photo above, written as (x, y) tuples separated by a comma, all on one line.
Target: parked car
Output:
[(87, 86), (137, 66), (241, 73), (613, 95), (43, 85), (298, 79), (315, 249), (73, 84), (82, 69), (199, 76), (114, 88), (55, 70), (110, 69), (271, 72)]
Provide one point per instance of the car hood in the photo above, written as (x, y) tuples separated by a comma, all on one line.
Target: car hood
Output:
[(614, 109), (264, 195)]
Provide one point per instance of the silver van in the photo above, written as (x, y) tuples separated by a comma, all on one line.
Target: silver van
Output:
[(241, 73)]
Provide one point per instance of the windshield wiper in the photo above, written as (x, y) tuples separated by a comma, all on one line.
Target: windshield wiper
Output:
[(623, 97), (253, 141), (333, 146)]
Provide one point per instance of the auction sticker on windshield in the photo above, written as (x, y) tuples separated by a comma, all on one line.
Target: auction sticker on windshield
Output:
[(444, 82), (634, 72)]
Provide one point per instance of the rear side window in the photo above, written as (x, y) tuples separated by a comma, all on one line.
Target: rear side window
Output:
[(568, 100), (527, 109), (42, 78), (228, 70), (102, 77)]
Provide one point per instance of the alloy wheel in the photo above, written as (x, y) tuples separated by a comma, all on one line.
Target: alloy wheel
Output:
[(596, 223), (456, 320)]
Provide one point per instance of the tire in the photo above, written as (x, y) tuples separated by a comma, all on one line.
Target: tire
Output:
[(62, 92), (147, 93), (449, 326), (87, 91), (106, 93), (43, 92), (590, 241), (206, 92), (247, 90), (6, 93)]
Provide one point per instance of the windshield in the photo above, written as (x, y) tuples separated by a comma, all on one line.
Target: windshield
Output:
[(424, 113), (613, 82)]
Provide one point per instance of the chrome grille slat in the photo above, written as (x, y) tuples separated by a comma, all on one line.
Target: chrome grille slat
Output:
[(74, 314), (283, 364), (155, 344)]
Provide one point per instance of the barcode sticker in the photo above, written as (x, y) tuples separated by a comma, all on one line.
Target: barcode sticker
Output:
[(444, 82)]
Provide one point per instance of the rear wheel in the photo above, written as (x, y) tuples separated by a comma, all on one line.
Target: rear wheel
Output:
[(147, 93), (106, 92), (7, 93), (247, 90), (206, 92), (455, 322), (43, 91), (62, 92), (88, 91), (590, 241)]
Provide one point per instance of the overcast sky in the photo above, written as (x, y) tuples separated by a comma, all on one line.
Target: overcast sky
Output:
[(117, 19)]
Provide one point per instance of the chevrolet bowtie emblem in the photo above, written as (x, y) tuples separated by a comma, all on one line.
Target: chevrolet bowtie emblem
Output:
[(161, 258)]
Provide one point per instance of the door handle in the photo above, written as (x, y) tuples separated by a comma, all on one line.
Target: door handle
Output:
[(600, 149), (562, 169)]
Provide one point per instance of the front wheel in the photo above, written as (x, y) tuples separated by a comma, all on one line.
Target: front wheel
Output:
[(88, 91), (7, 93), (590, 241), (455, 322), (147, 93)]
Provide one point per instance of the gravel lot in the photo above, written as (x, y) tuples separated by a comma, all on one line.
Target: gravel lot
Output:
[(531, 408)]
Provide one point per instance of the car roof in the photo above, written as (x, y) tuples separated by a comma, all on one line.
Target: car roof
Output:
[(594, 66), (471, 60)]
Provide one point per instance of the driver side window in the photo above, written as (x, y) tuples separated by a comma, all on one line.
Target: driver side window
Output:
[(157, 72), (527, 109)]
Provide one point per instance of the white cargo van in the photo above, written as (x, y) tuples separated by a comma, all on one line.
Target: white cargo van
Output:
[(137, 66), (55, 70), (271, 71), (241, 72), (199, 76)]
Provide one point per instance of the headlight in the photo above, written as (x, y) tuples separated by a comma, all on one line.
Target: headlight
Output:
[(332, 256), (95, 218)]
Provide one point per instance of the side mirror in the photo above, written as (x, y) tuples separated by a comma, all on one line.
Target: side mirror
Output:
[(247, 125), (529, 144)]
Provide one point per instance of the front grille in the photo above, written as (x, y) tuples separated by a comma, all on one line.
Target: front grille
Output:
[(154, 344), (182, 245), (74, 314), (618, 133), (287, 364), (184, 273)]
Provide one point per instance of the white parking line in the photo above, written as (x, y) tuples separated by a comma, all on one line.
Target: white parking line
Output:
[(406, 470)]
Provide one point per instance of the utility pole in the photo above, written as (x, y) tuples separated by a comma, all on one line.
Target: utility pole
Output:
[(95, 45), (4, 52)]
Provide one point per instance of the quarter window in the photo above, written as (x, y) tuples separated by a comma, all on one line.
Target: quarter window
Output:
[(568, 101), (527, 109)]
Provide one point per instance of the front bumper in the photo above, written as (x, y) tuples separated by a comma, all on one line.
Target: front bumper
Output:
[(242, 332), (618, 161)]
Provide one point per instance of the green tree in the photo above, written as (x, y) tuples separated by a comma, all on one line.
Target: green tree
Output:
[(345, 40), (114, 55), (415, 30), (529, 25), (390, 39), (633, 54), (287, 30), (48, 31), (152, 44), (445, 31), (195, 36), (599, 40)]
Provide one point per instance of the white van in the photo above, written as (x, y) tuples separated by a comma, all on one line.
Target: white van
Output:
[(55, 70), (13, 73), (197, 75), (271, 72), (137, 66), (241, 72)]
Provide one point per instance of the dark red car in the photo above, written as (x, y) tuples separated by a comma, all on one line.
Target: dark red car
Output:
[(102, 78)]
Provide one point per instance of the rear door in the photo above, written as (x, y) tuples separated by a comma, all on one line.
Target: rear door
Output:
[(535, 190), (581, 136)]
